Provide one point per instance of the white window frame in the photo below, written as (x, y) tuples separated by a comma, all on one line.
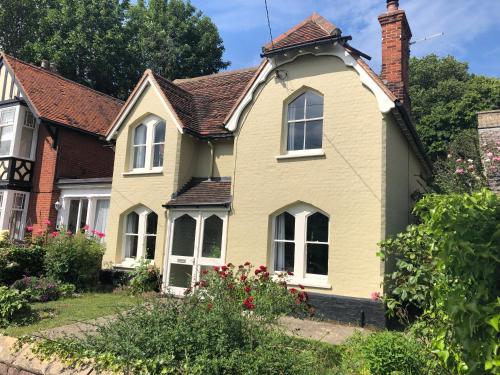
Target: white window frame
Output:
[(304, 151), (301, 212), (21, 115), (143, 212), (197, 261), (7, 209), (15, 121), (79, 214), (150, 122)]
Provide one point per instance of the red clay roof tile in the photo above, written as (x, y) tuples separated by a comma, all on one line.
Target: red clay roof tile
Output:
[(63, 101)]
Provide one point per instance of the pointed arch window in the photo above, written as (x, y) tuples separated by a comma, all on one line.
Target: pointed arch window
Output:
[(305, 122), (148, 144), (300, 243)]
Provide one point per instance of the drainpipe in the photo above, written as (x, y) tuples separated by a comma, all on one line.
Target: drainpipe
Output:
[(210, 144)]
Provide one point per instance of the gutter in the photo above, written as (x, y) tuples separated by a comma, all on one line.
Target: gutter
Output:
[(316, 42), (211, 170)]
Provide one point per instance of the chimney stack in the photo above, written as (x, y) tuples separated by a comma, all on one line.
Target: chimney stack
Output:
[(45, 64), (396, 35)]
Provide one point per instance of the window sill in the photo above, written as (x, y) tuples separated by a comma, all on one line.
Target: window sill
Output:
[(318, 284), (130, 263), (141, 172), (302, 154)]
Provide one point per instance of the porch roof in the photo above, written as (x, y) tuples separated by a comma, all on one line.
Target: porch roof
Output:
[(203, 192)]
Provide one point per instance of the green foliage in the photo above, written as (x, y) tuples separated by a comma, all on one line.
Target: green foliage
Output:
[(42, 289), (14, 308), (145, 277), (107, 44), (215, 329), (17, 261), (445, 99), (386, 352), (74, 259), (451, 263)]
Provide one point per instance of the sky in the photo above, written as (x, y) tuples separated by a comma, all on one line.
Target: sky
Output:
[(471, 27)]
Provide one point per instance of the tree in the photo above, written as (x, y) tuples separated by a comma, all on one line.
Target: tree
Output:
[(107, 44), (445, 100)]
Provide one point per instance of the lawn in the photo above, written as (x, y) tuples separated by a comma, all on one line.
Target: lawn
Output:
[(71, 310)]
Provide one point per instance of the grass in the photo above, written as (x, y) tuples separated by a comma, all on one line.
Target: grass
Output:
[(71, 310)]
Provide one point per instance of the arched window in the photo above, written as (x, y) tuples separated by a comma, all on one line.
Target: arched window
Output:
[(140, 234), (148, 144), (305, 122), (301, 242)]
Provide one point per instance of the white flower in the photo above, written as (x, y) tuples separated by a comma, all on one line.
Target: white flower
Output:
[(470, 160)]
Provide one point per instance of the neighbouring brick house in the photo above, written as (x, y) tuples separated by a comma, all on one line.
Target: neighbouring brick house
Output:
[(302, 164), (488, 124), (51, 128)]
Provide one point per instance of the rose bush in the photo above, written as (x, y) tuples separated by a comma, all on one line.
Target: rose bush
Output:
[(43, 289)]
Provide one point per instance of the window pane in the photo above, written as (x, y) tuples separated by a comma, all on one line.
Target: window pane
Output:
[(212, 237), (131, 246), (284, 256), (314, 105), (6, 133), (295, 136), (101, 215), (317, 227), (132, 223), (180, 275), (150, 247), (7, 116), (317, 259), (184, 233), (19, 200), (16, 224), (139, 156), (140, 135), (159, 132), (26, 141), (83, 213), (296, 108), (152, 222), (314, 134), (285, 227), (158, 155), (74, 204)]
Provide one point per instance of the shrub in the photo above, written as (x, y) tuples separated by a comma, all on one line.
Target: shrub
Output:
[(17, 261), (43, 289), (386, 352), (114, 278), (449, 266), (14, 308), (74, 259), (218, 328), (145, 277)]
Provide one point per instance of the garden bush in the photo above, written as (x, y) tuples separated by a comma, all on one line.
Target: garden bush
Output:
[(387, 352), (448, 266), (43, 289), (14, 307), (145, 277), (225, 325), (74, 259), (17, 261)]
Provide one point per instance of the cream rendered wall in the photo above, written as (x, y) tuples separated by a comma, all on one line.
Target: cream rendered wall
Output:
[(346, 183), (150, 190), (8, 89)]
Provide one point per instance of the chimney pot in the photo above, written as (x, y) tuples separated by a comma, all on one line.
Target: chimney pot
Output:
[(45, 64), (392, 5), (53, 67)]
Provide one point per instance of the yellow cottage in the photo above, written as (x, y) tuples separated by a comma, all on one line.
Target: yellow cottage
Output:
[(303, 164)]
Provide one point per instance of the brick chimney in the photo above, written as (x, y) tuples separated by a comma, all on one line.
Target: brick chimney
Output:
[(396, 35)]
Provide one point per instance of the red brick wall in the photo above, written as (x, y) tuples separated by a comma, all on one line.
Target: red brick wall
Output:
[(78, 155), (396, 35)]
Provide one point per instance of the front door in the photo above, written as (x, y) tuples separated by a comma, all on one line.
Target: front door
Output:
[(196, 242)]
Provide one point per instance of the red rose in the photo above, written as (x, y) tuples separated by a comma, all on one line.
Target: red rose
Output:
[(265, 274), (209, 306), (290, 273), (230, 286), (303, 296), (263, 268), (293, 290), (216, 269), (243, 277), (224, 268), (301, 286), (257, 271), (203, 284), (204, 272), (248, 289)]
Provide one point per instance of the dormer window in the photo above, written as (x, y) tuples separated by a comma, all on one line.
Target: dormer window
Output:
[(148, 141), (305, 122)]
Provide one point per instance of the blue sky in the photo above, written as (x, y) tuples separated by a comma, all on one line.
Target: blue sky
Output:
[(471, 27)]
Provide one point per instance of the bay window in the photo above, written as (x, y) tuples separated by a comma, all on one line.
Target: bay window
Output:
[(300, 243)]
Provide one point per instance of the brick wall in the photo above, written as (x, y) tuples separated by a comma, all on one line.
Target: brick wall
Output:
[(77, 156)]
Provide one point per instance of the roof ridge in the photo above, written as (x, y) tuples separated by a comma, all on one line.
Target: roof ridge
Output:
[(169, 82), (56, 75), (322, 22), (218, 74)]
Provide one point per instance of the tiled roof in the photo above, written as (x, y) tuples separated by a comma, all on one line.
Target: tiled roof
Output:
[(57, 99), (312, 28), (203, 192)]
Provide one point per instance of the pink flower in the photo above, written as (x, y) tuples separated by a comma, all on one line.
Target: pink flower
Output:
[(29, 229), (458, 160), (471, 167), (69, 233), (100, 234), (375, 296), (459, 171), (46, 222), (489, 154), (85, 227), (54, 234)]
